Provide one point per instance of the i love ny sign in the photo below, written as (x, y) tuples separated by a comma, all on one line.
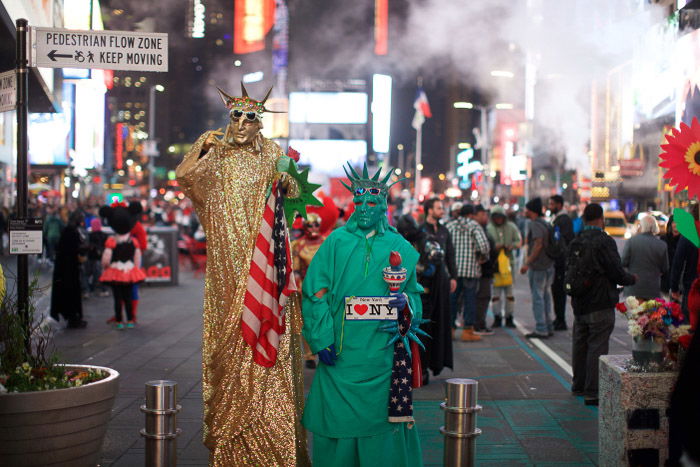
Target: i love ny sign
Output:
[(369, 309)]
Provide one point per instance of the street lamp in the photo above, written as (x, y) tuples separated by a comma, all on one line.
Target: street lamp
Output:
[(151, 148)]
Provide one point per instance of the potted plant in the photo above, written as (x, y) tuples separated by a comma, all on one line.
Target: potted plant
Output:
[(658, 329), (48, 410)]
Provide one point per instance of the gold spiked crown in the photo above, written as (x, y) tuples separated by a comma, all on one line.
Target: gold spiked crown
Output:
[(246, 103)]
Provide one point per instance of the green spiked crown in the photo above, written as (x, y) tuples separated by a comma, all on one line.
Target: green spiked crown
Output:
[(358, 183)]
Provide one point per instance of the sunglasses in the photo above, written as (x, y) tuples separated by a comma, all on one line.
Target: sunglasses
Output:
[(249, 116), (313, 224), (371, 191)]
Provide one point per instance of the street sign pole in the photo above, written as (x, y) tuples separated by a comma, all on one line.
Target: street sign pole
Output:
[(22, 145)]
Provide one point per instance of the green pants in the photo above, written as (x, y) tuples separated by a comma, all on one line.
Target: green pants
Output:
[(399, 447)]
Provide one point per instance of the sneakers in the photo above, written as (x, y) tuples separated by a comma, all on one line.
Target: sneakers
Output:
[(131, 324), (483, 331), (497, 322), (468, 335), (120, 326), (509, 322)]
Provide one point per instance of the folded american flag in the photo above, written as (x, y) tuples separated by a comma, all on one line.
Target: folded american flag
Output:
[(270, 283)]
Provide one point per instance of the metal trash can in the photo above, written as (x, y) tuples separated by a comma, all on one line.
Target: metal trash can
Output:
[(161, 429), (460, 429)]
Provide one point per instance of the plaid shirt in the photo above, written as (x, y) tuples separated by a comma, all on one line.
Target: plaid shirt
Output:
[(471, 245)]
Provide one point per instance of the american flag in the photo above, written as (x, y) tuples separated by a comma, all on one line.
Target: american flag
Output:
[(270, 283), (401, 392)]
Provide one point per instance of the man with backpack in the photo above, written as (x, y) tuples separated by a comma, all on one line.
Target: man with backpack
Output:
[(563, 233), (593, 271), (539, 268)]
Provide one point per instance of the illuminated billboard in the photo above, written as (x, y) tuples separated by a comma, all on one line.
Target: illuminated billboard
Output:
[(381, 113), (252, 20), (328, 107), (327, 156)]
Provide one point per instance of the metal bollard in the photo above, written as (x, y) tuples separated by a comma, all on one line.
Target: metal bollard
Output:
[(161, 430), (460, 429)]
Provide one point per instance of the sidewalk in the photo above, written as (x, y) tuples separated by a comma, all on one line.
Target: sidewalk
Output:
[(529, 416)]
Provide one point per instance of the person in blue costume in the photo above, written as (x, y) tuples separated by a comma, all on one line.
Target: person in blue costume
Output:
[(359, 414)]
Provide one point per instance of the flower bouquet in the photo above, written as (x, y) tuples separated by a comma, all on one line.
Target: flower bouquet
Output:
[(658, 329)]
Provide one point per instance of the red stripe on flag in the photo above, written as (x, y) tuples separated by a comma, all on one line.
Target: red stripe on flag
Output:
[(263, 320)]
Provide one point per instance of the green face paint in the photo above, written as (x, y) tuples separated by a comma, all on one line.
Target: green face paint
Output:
[(369, 211)]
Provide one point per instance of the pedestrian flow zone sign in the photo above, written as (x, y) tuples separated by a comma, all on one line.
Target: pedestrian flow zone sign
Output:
[(8, 91), (107, 50)]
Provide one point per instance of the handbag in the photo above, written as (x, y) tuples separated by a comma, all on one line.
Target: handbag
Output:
[(504, 276)]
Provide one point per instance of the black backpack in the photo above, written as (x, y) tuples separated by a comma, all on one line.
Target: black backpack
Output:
[(582, 268), (555, 248)]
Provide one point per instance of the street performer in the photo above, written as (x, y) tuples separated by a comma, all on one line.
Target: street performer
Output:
[(360, 403), (303, 250), (251, 351)]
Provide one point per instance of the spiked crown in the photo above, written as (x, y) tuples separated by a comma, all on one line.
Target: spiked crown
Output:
[(367, 182), (245, 103)]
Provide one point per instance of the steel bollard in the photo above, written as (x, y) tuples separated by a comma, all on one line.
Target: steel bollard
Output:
[(460, 429), (161, 430)]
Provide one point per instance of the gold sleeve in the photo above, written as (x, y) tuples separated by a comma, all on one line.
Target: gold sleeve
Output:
[(191, 173)]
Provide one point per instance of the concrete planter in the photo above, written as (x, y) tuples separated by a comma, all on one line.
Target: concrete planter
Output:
[(60, 427)]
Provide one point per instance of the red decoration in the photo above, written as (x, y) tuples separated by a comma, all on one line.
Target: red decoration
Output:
[(395, 259), (293, 153), (682, 158)]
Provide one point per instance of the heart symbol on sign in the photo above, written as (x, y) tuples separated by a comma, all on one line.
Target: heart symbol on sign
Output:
[(361, 309)]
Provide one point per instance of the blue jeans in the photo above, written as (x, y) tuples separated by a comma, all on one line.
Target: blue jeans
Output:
[(466, 288), (541, 290)]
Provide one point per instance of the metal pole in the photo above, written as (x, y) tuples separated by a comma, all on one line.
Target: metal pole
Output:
[(152, 137), (460, 429), (161, 429), (22, 72), (419, 157)]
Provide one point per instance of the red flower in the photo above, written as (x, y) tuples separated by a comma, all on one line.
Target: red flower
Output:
[(681, 158), (621, 307), (293, 153)]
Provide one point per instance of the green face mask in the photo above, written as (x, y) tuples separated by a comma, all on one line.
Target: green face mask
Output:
[(370, 210)]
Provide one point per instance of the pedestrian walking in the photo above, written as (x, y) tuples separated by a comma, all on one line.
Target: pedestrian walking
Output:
[(93, 265), (489, 266), (671, 238), (506, 236), (645, 256), (438, 287), (594, 269), (564, 228), (121, 260), (53, 226), (66, 297), (540, 270), (684, 268), (471, 248)]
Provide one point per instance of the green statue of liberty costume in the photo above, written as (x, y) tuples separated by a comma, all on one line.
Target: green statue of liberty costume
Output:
[(348, 401)]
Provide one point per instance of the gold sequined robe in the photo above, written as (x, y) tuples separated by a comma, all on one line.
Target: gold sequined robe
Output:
[(251, 413)]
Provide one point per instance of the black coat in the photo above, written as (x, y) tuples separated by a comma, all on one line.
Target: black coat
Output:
[(436, 302), (604, 294), (66, 299)]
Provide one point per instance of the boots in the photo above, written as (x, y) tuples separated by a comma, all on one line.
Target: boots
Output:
[(497, 322), (468, 335), (509, 322)]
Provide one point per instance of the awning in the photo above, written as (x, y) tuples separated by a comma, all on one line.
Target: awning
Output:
[(40, 99)]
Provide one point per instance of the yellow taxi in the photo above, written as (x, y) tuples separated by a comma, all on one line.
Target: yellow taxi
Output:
[(615, 223)]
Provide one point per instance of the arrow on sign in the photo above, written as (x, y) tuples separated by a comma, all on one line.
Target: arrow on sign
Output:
[(52, 55)]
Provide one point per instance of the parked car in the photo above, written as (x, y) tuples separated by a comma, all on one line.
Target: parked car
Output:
[(615, 223)]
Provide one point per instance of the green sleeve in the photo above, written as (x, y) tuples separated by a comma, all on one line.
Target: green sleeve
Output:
[(318, 320)]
